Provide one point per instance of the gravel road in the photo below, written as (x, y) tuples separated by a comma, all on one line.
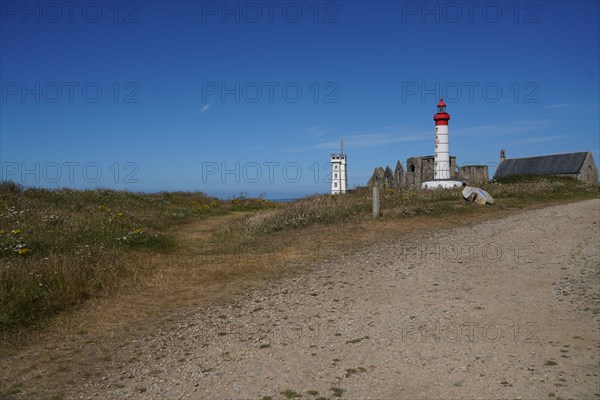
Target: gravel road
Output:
[(502, 309)]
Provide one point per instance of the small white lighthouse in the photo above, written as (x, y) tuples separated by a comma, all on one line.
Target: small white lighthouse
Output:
[(339, 177), (441, 169)]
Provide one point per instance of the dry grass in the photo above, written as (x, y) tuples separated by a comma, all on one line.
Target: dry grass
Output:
[(211, 257), (59, 248), (356, 206), (166, 250)]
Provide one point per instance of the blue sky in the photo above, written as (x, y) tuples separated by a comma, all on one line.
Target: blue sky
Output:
[(231, 97)]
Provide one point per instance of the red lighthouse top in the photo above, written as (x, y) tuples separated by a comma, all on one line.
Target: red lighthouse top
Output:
[(442, 117)]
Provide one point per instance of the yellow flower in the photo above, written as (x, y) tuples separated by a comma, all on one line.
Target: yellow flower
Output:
[(15, 231), (23, 251), (2, 232), (138, 231)]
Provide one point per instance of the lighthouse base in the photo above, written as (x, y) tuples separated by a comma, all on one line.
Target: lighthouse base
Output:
[(441, 184)]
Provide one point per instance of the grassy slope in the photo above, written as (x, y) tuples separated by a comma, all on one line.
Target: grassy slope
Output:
[(325, 209), (59, 248)]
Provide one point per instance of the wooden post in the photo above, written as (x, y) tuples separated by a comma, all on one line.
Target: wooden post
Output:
[(375, 201)]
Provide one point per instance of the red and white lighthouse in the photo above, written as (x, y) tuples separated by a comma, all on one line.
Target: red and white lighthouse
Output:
[(441, 169), (442, 152)]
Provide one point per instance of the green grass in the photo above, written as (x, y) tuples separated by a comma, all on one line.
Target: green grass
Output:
[(59, 248), (357, 206), (242, 202), (290, 394), (527, 188), (15, 389), (354, 341), (354, 371)]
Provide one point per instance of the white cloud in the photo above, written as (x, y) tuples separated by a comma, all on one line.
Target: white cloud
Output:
[(204, 109), (318, 131), (565, 105), (541, 139), (377, 137), (503, 129)]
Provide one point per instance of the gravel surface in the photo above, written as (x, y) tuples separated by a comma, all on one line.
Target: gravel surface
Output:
[(501, 309)]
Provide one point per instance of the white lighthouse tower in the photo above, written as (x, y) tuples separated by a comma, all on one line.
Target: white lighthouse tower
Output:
[(339, 177), (441, 170)]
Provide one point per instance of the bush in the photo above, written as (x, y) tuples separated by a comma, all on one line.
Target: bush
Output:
[(243, 203)]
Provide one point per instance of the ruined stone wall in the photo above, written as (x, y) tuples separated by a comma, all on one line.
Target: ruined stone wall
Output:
[(474, 174), (418, 170)]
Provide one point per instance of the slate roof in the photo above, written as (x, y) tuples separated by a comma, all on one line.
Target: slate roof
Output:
[(569, 163)]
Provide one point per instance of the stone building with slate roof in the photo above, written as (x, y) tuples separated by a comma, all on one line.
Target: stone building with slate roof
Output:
[(580, 166)]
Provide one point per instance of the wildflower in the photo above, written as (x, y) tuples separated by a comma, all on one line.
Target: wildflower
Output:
[(2, 232), (138, 231), (23, 251), (15, 231), (52, 219)]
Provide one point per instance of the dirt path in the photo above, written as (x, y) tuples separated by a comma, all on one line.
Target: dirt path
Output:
[(502, 309)]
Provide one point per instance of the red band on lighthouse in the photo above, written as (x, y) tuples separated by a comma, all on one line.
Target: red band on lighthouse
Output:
[(442, 117)]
